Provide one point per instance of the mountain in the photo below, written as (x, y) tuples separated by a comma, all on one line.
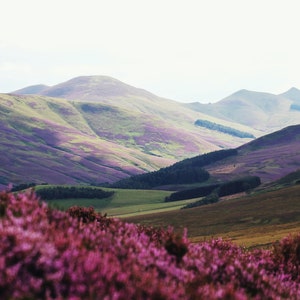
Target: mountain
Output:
[(110, 91), (94, 88), (292, 94), (97, 129), (49, 140), (106, 90), (105, 131), (159, 121), (270, 157), (262, 111), (33, 89)]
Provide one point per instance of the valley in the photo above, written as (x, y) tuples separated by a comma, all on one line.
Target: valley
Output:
[(101, 129), (98, 131)]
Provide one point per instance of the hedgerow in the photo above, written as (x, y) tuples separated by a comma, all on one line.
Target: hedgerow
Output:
[(80, 254)]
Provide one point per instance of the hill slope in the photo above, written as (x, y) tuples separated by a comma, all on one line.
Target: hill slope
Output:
[(33, 89), (102, 130), (270, 157), (292, 94), (98, 129), (44, 139), (252, 220), (62, 141), (263, 111), (110, 91)]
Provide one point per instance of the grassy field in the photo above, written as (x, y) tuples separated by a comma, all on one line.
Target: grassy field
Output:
[(249, 220), (125, 203), (253, 220)]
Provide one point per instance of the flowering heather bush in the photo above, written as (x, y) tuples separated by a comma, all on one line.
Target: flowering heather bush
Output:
[(79, 254)]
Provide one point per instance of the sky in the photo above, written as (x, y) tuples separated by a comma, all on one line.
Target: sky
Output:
[(185, 50)]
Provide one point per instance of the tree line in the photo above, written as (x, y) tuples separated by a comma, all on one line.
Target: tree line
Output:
[(183, 172), (163, 176), (225, 129), (211, 193), (64, 192)]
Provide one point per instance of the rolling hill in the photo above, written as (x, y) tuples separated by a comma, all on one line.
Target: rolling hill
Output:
[(270, 157), (262, 111), (109, 91), (48, 140), (95, 129), (120, 131)]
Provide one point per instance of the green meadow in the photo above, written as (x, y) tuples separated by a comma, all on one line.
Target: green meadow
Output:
[(125, 203), (253, 220)]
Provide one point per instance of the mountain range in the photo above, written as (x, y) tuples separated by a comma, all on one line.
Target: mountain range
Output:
[(262, 111), (95, 129)]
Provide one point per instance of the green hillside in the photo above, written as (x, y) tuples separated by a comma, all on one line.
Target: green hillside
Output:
[(103, 130), (121, 202), (49, 140)]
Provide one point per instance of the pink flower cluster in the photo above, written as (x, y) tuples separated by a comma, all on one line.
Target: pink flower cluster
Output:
[(79, 254)]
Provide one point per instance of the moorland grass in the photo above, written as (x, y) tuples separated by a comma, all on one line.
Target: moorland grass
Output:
[(252, 220)]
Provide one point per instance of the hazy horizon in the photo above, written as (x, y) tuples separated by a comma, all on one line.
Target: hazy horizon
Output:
[(182, 50)]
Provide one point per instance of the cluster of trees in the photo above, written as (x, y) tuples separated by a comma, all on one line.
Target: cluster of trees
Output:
[(164, 176), (206, 159), (64, 192), (238, 185), (22, 186), (184, 172), (224, 129), (214, 191), (295, 107), (192, 193)]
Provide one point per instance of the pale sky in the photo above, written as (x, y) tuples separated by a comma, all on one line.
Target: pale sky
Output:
[(185, 50)]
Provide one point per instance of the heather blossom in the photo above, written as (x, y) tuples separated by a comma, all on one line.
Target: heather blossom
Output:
[(80, 254)]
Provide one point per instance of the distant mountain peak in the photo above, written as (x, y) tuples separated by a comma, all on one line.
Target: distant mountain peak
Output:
[(293, 90), (97, 79), (292, 94), (92, 88)]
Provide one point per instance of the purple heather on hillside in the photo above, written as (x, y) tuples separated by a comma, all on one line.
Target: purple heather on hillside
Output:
[(79, 254)]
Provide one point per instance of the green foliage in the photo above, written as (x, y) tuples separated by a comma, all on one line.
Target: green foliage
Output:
[(206, 159), (122, 202), (238, 185), (169, 175), (224, 189), (224, 129), (61, 192), (22, 186), (192, 193), (186, 171)]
